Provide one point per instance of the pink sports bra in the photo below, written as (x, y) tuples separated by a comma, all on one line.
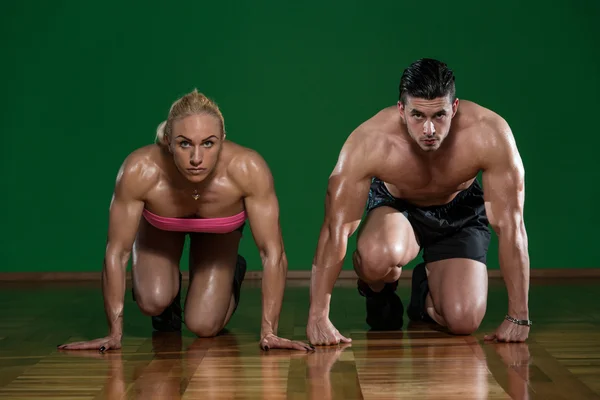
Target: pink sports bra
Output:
[(205, 225)]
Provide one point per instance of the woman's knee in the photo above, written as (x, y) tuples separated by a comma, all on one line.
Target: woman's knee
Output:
[(153, 302), (203, 325), (373, 261)]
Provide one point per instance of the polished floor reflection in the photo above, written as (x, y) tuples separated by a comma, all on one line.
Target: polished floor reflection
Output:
[(560, 361)]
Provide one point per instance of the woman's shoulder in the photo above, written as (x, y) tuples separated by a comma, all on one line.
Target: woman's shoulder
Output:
[(144, 157), (244, 164), (140, 169), (239, 157)]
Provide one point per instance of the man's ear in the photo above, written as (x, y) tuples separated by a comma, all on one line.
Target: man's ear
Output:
[(455, 107), (401, 110)]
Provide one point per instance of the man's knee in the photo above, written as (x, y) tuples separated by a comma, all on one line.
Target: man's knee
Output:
[(464, 319), (373, 261)]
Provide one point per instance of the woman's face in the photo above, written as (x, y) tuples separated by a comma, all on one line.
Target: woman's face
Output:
[(196, 142)]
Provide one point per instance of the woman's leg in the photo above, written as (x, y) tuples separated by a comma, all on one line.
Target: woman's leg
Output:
[(215, 271), (156, 278)]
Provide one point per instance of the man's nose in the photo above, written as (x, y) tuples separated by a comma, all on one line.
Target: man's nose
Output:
[(428, 128)]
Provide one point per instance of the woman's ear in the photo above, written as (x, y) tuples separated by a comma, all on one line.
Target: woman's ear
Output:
[(167, 143)]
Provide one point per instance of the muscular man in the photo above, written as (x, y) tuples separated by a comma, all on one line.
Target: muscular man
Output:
[(415, 169), (192, 181)]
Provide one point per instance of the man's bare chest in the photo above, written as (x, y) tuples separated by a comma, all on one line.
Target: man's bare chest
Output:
[(428, 183)]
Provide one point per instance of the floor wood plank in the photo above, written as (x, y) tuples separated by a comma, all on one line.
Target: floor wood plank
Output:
[(560, 361)]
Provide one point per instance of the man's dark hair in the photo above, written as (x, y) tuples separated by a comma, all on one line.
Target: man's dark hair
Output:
[(427, 79)]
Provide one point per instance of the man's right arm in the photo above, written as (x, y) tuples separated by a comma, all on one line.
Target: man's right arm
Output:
[(124, 215), (347, 194)]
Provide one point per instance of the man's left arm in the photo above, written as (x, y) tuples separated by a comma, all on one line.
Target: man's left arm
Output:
[(262, 208), (504, 192)]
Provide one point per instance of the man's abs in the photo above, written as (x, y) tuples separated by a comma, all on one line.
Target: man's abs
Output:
[(433, 194)]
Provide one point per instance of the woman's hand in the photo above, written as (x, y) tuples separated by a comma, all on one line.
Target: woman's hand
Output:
[(271, 341), (102, 344)]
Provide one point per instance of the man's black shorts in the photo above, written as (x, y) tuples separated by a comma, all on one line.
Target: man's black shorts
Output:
[(458, 229)]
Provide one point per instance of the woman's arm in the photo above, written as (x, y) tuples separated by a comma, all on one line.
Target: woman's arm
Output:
[(254, 177), (134, 180)]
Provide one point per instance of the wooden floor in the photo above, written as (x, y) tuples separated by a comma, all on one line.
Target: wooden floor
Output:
[(561, 360)]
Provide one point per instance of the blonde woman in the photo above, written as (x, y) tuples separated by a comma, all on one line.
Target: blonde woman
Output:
[(194, 182)]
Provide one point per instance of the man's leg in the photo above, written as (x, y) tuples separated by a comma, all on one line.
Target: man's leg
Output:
[(386, 242), (451, 286), (457, 297), (452, 291)]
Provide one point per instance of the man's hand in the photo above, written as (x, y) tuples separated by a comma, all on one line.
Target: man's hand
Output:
[(504, 192), (509, 332), (102, 344), (320, 331), (270, 341)]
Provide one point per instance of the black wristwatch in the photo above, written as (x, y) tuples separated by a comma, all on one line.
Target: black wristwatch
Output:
[(526, 322)]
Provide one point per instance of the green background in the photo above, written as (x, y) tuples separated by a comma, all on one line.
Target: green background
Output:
[(86, 83)]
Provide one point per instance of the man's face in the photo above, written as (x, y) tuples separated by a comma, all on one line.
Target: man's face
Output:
[(428, 121)]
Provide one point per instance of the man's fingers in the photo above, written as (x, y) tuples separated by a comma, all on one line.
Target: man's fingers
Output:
[(344, 339), (491, 336), (509, 335), (324, 342), (518, 338), (318, 341), (329, 340), (344, 346)]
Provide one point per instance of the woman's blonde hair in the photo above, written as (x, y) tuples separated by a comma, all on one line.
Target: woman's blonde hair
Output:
[(193, 103)]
